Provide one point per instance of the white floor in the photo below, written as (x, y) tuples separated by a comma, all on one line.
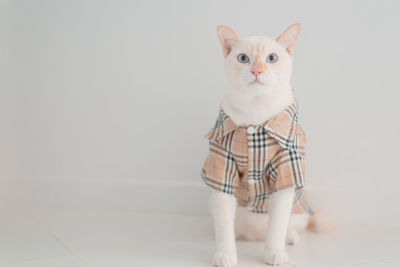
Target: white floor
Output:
[(85, 225)]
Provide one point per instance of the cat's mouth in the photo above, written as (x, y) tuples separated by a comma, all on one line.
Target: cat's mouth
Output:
[(256, 81)]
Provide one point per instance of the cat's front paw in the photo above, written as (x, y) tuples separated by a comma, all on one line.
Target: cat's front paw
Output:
[(224, 259), (275, 256)]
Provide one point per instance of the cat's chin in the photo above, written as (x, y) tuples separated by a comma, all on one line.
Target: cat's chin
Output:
[(259, 89)]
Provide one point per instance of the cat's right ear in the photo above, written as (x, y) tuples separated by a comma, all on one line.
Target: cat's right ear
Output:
[(227, 37)]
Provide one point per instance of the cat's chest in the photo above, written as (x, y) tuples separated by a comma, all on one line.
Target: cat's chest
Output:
[(251, 147), (248, 115)]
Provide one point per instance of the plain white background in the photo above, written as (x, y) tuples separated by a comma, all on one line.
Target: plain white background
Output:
[(122, 92), (125, 90), (104, 104)]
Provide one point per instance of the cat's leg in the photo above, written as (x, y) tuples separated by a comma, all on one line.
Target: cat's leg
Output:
[(223, 208), (297, 225), (280, 207)]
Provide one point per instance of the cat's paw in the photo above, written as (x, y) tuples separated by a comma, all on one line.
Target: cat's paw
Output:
[(275, 256), (292, 237), (224, 259)]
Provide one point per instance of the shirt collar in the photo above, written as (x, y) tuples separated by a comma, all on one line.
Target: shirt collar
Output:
[(282, 127)]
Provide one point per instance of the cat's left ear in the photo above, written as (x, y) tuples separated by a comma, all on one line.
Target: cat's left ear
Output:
[(288, 38)]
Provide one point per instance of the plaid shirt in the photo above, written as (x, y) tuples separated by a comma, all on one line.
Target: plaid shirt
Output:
[(253, 162)]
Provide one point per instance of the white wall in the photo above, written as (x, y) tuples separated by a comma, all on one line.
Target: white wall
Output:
[(124, 90)]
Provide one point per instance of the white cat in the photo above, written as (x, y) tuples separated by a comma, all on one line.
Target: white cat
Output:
[(258, 71)]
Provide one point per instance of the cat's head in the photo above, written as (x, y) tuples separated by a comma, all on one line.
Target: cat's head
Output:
[(258, 64)]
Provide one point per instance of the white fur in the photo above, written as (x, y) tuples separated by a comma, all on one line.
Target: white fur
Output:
[(275, 228), (252, 100), (280, 207), (223, 208), (252, 226), (244, 110), (248, 103), (297, 224)]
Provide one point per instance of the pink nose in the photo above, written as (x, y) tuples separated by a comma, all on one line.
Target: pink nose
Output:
[(256, 72)]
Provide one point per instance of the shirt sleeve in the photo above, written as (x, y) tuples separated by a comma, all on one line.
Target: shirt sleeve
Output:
[(287, 167), (219, 170)]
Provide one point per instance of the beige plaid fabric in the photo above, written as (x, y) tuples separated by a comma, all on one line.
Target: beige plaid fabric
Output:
[(253, 162)]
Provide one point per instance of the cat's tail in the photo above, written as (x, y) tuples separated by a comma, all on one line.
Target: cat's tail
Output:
[(322, 222)]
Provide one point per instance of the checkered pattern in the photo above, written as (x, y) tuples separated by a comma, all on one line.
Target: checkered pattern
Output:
[(252, 165)]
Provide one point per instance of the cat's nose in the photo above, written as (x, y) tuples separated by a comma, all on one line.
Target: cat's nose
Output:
[(256, 71)]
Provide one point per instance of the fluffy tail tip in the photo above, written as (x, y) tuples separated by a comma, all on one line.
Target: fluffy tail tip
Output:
[(322, 222)]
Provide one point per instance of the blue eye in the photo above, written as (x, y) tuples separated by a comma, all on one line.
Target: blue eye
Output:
[(243, 58), (272, 58)]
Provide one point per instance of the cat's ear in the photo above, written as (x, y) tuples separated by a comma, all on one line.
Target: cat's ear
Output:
[(227, 37), (288, 38)]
